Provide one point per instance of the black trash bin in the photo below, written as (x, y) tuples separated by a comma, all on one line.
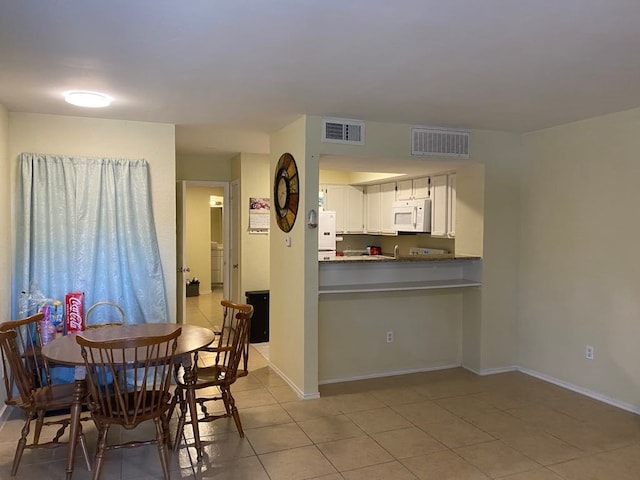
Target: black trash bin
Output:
[(260, 321)]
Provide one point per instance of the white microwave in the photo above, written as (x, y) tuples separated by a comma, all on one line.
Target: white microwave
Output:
[(412, 215)]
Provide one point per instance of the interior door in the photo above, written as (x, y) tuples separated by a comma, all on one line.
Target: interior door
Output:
[(182, 269), (234, 250)]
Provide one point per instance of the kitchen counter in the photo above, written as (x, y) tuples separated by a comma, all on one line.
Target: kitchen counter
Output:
[(408, 258), (378, 273)]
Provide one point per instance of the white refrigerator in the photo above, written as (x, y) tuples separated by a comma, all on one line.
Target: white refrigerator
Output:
[(327, 235)]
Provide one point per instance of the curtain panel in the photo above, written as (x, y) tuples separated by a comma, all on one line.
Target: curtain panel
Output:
[(86, 225)]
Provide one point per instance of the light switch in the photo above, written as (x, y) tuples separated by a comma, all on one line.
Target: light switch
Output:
[(287, 241)]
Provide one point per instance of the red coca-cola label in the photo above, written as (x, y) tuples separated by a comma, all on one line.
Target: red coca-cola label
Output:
[(74, 302)]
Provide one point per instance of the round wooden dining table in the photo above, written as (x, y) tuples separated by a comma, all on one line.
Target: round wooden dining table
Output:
[(65, 350)]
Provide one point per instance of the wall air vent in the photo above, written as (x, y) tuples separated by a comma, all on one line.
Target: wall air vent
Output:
[(342, 130), (441, 143)]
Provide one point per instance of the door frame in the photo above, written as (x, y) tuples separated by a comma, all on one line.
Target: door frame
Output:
[(181, 188)]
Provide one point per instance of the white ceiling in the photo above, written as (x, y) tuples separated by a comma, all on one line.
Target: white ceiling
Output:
[(229, 72)]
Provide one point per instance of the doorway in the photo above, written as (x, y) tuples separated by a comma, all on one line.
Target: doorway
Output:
[(204, 218)]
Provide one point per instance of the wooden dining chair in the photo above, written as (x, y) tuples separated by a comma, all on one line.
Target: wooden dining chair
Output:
[(104, 314), (28, 386), (230, 310), (129, 380), (197, 384)]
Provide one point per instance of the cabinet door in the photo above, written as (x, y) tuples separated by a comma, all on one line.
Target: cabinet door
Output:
[(334, 200), (354, 199), (439, 214), (387, 197), (452, 199), (405, 190), (421, 187), (373, 212)]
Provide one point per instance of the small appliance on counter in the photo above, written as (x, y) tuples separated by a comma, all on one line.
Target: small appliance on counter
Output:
[(426, 251), (374, 250)]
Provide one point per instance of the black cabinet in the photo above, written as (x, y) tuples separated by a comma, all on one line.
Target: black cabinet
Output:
[(260, 321)]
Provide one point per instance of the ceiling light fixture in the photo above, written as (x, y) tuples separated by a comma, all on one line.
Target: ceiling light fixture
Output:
[(82, 98)]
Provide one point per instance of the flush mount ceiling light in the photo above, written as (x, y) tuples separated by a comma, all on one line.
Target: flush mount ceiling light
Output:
[(82, 98)]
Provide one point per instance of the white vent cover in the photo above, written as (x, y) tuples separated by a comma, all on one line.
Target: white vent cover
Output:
[(444, 143), (342, 130)]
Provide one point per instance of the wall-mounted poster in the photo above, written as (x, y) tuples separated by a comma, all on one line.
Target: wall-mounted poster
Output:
[(259, 215)]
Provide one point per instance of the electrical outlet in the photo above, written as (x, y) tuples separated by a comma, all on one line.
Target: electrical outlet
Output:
[(390, 336), (588, 352)]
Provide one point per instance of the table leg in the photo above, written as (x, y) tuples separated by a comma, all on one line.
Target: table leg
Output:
[(76, 411)]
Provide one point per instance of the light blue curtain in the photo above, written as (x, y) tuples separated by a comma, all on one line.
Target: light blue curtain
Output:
[(86, 224)]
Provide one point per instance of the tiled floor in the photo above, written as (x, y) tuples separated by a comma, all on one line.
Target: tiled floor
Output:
[(437, 426)]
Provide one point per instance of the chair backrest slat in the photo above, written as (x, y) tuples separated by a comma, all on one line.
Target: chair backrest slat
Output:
[(129, 378), (27, 368)]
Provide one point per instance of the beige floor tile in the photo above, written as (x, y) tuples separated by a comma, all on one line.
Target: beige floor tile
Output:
[(620, 464), (263, 416), (538, 474), (468, 406), (456, 433), (277, 437), (542, 447), (384, 471), (496, 459), (296, 464), (357, 402), (422, 413), (353, 453), (307, 409), (256, 397), (379, 420), (444, 465), (283, 394), (248, 468), (407, 442), (398, 395), (326, 429), (501, 424), (218, 448)]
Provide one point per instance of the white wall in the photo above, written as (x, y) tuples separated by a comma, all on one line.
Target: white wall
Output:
[(209, 168), (294, 270), (579, 270), (154, 142), (255, 181), (5, 226)]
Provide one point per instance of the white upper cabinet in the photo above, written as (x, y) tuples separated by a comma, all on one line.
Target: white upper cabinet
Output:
[(373, 212), (348, 203), (443, 206), (413, 188), (451, 212), (387, 197), (354, 221)]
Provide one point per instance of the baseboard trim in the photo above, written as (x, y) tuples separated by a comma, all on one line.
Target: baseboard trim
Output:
[(583, 391), (386, 374), (491, 371), (294, 387)]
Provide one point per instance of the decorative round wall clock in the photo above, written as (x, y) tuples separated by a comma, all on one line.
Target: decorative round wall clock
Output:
[(286, 192)]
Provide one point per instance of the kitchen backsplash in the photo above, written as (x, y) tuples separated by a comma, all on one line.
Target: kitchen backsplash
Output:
[(404, 242)]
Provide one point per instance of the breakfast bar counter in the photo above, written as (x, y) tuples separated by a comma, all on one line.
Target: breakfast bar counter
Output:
[(378, 273)]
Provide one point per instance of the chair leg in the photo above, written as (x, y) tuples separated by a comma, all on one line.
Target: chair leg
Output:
[(179, 395), (85, 450), (162, 447), (21, 443), (226, 394), (101, 447), (193, 410), (38, 429)]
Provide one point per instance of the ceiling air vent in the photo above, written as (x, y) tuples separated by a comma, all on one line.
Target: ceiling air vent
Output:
[(443, 143), (341, 130)]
